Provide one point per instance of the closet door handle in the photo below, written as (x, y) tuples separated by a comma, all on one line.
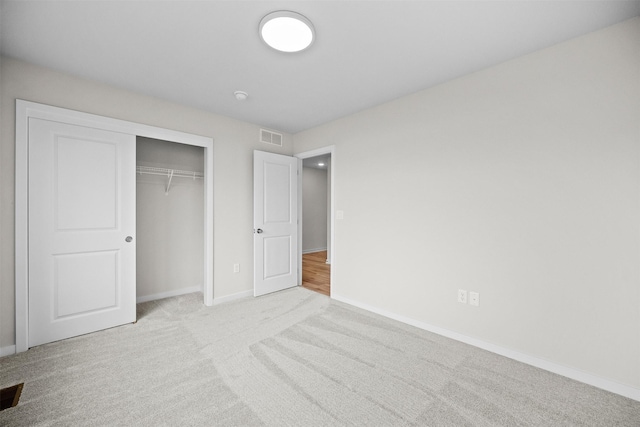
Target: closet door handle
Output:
[(259, 231), (128, 239)]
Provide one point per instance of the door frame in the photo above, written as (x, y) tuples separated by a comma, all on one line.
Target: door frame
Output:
[(330, 149), (26, 110)]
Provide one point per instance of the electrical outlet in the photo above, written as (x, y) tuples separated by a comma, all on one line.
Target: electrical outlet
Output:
[(236, 268), (462, 296), (474, 298)]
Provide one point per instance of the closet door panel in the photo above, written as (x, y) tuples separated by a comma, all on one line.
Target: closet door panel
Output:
[(81, 230)]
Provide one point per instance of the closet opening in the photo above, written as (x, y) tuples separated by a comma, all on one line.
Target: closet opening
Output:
[(170, 206), (96, 162)]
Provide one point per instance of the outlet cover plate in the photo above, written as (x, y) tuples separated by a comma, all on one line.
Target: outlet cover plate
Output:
[(462, 296)]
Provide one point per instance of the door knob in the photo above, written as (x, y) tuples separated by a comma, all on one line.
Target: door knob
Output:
[(128, 239), (259, 230)]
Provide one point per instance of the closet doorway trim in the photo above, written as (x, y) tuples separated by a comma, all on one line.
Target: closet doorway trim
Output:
[(26, 110)]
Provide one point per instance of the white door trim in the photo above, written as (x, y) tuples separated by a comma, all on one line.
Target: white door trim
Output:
[(330, 149), (26, 110)]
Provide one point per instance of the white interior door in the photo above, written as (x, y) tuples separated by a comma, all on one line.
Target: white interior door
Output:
[(81, 229), (275, 222)]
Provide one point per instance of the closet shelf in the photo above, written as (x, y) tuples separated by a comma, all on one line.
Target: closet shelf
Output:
[(169, 173)]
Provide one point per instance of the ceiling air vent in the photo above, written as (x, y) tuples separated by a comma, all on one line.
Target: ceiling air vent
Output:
[(271, 137)]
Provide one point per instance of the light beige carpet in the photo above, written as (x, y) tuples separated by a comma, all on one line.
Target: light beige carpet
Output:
[(294, 358)]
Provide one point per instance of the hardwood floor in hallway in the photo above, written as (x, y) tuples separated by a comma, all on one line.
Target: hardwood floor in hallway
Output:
[(316, 272)]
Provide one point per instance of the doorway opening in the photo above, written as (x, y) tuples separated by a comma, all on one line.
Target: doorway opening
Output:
[(316, 225), (170, 219)]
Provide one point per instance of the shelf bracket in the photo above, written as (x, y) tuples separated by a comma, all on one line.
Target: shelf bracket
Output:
[(166, 191)]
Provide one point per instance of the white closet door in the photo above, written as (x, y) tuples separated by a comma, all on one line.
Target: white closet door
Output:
[(275, 219), (81, 230)]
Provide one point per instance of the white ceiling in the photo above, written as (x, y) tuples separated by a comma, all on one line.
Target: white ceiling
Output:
[(366, 52)]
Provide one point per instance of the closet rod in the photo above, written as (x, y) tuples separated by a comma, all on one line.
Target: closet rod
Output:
[(169, 173)]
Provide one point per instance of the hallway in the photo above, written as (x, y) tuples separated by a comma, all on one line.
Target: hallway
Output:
[(316, 272)]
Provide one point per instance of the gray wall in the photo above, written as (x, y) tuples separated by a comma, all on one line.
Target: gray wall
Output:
[(170, 228), (314, 210), (520, 182), (234, 142)]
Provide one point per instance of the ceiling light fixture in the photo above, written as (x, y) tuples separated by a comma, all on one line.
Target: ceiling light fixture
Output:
[(320, 164), (287, 31)]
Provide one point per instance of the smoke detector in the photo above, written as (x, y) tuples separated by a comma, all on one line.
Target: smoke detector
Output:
[(240, 95)]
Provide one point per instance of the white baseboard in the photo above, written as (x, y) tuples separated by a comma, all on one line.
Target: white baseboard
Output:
[(233, 297), (7, 351), (168, 294), (574, 374), (310, 251)]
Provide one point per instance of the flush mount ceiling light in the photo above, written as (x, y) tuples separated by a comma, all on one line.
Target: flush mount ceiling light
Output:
[(287, 31)]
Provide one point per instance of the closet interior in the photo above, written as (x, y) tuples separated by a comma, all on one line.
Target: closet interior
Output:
[(169, 218)]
